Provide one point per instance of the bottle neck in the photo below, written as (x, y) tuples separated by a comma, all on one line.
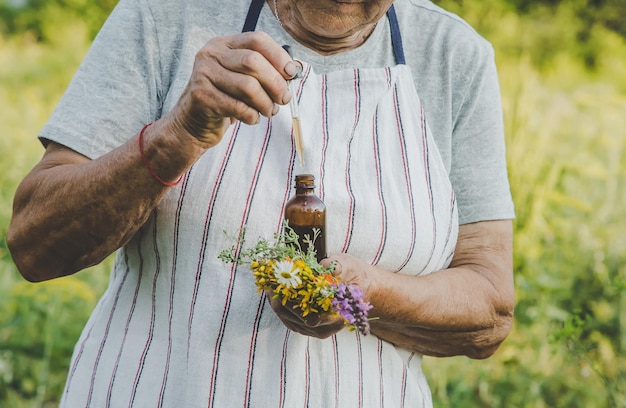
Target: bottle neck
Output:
[(305, 190)]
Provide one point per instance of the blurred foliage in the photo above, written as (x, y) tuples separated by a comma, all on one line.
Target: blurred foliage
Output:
[(566, 149), (38, 329), (577, 20), (561, 68), (608, 13), (41, 18), (39, 323)]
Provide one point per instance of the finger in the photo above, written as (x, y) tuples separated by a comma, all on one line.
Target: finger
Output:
[(333, 263), (226, 89), (338, 268), (259, 56), (250, 67), (272, 51), (247, 89), (312, 320), (218, 92), (314, 325), (208, 103)]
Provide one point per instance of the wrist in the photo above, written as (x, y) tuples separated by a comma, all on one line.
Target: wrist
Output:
[(194, 127), (166, 153), (145, 160)]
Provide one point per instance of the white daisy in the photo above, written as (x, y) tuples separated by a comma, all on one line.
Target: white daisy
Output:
[(287, 275)]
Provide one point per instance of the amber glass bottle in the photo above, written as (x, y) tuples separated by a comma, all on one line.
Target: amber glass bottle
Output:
[(305, 211)]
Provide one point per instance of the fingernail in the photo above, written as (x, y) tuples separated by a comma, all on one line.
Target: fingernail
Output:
[(276, 109), (286, 97), (290, 69)]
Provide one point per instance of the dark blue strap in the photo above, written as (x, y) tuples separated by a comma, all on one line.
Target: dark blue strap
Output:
[(396, 38), (253, 15)]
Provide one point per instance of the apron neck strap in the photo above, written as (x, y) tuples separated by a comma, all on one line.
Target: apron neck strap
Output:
[(253, 15), (396, 36), (254, 11)]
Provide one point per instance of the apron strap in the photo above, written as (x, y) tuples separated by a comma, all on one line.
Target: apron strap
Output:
[(254, 11), (396, 37), (253, 15)]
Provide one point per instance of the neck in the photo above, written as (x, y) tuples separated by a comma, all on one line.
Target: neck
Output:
[(323, 42)]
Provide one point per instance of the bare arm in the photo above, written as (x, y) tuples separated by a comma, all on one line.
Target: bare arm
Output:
[(71, 212), (466, 309)]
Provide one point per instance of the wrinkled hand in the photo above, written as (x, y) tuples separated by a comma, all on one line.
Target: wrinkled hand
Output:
[(352, 270), (322, 325), (237, 77)]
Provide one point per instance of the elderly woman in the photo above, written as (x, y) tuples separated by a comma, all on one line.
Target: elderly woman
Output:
[(173, 130)]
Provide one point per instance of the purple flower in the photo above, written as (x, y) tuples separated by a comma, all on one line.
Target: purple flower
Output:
[(349, 303)]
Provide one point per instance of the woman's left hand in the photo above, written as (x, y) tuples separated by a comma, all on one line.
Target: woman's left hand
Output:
[(319, 325), (323, 325), (466, 309)]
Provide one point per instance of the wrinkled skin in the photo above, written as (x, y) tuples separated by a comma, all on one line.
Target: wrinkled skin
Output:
[(466, 309), (330, 26)]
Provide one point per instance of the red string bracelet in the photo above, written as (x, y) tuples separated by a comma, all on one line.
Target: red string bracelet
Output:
[(145, 161)]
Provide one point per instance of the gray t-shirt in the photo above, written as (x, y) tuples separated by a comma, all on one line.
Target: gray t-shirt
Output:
[(141, 60)]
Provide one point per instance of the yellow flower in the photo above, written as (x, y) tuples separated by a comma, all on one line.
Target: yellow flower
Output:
[(263, 273)]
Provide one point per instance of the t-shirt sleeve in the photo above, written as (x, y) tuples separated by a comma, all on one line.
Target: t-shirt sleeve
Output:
[(478, 158), (115, 90)]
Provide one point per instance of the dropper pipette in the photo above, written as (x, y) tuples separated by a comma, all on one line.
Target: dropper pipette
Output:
[(295, 113)]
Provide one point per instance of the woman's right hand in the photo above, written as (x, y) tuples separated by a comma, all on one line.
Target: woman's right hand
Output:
[(238, 77), (71, 212)]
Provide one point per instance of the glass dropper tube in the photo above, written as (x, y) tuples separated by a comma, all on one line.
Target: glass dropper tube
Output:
[(295, 112)]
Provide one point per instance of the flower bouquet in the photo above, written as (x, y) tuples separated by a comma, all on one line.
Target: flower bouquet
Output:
[(293, 275)]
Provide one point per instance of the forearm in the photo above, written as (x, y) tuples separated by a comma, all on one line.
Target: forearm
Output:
[(450, 312), (92, 207), (466, 309)]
